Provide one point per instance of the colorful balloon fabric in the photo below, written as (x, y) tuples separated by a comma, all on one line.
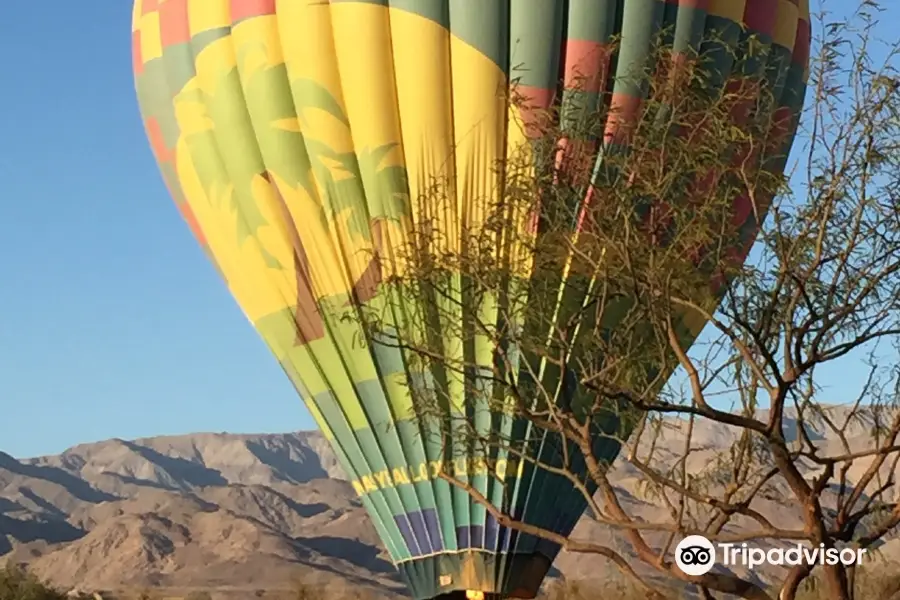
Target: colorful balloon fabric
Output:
[(293, 134)]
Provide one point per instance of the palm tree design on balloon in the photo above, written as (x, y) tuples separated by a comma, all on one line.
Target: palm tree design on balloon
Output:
[(271, 173), (362, 194)]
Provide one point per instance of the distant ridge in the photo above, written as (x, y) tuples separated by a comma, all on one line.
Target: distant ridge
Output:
[(244, 512)]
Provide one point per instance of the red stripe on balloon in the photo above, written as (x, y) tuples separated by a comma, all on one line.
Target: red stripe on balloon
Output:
[(192, 222), (801, 44), (742, 93), (575, 162), (587, 65), (672, 75), (149, 6), (157, 141), (782, 121), (533, 103), (743, 206), (759, 16), (244, 9), (173, 23), (586, 70), (137, 60), (623, 113)]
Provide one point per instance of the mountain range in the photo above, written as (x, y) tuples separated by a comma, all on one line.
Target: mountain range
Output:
[(240, 513)]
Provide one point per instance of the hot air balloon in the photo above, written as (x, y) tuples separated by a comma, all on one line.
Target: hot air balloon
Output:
[(292, 135)]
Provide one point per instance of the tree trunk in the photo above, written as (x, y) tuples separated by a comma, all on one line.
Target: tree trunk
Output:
[(791, 584), (835, 577)]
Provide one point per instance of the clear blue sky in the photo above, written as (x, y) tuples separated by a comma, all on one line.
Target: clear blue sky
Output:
[(112, 323)]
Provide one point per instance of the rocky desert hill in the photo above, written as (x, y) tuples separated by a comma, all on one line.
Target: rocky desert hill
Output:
[(240, 513), (195, 511)]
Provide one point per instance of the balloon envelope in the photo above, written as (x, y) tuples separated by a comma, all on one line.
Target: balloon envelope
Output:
[(292, 135)]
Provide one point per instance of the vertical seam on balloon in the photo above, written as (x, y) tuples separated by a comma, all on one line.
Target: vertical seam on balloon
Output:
[(487, 455), (287, 301), (598, 444), (338, 241), (454, 219), (546, 448), (330, 337), (531, 472), (538, 477), (400, 306), (463, 173), (494, 487), (454, 232), (469, 348), (541, 452), (338, 247), (509, 492), (570, 499), (403, 309), (474, 401), (573, 499), (513, 501), (460, 499), (403, 513)]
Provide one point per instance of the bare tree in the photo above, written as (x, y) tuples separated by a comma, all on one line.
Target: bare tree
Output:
[(565, 318)]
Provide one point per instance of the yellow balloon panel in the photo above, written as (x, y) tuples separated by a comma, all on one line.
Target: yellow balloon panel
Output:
[(304, 141)]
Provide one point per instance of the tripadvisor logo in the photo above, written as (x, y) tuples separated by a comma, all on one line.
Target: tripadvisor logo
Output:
[(696, 555)]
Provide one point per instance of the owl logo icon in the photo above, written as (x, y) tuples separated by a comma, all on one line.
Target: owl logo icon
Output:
[(695, 555)]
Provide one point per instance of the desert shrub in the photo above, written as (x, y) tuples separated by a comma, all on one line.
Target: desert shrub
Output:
[(617, 588), (303, 591), (18, 584), (881, 583)]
